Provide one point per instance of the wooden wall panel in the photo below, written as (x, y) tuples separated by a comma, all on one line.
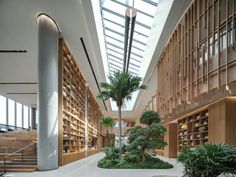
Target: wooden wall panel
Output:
[(171, 138), (92, 152), (216, 123), (71, 157), (230, 129), (222, 121), (199, 56)]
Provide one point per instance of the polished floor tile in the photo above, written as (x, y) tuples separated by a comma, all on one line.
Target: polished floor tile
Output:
[(88, 168)]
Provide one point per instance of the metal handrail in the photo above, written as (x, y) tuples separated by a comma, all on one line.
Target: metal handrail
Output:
[(19, 150), (7, 149)]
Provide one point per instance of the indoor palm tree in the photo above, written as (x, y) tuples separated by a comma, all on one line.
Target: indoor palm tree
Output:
[(120, 88), (107, 122)]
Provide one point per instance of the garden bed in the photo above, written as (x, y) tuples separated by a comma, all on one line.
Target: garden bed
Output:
[(151, 163)]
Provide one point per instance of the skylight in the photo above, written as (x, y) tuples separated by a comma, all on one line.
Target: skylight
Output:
[(113, 23)]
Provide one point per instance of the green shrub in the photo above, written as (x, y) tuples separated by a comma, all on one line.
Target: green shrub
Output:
[(150, 117), (111, 153), (209, 160), (140, 141), (129, 162), (143, 139), (132, 158), (108, 163)]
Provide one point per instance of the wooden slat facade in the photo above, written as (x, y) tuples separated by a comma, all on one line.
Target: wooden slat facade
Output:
[(199, 57)]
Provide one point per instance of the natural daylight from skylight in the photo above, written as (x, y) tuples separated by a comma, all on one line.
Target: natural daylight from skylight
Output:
[(110, 23)]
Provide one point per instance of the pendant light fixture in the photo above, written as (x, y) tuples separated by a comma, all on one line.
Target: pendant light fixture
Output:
[(130, 17)]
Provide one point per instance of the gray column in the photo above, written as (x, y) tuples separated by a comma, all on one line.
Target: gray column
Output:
[(7, 115), (15, 116), (33, 118), (47, 93), (86, 121)]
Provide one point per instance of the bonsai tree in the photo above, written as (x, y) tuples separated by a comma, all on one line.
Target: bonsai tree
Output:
[(208, 160), (120, 88), (142, 139), (107, 122)]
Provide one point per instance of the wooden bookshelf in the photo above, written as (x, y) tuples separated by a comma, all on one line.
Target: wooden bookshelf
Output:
[(93, 122), (75, 98), (193, 130)]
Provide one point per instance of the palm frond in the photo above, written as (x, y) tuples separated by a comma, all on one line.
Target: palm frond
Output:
[(105, 85), (107, 122), (121, 86)]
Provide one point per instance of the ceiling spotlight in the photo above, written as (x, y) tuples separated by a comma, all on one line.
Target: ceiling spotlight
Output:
[(227, 88)]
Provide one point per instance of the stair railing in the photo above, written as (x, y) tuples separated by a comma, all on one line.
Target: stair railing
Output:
[(16, 153)]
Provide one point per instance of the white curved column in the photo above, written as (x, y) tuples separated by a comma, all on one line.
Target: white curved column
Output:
[(47, 93)]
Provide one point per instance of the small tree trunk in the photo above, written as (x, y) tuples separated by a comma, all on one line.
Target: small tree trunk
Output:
[(107, 139), (143, 155), (120, 130)]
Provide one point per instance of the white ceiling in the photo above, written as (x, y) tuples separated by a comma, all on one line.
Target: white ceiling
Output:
[(18, 31)]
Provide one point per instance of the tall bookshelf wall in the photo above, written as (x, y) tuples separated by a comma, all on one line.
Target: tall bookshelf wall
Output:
[(73, 91), (93, 122), (193, 130)]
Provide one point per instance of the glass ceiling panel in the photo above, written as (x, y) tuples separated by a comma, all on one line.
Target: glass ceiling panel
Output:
[(114, 48), (115, 60), (135, 62), (138, 45), (142, 29), (117, 63), (115, 66), (115, 54), (111, 25), (118, 8), (146, 7), (123, 27), (140, 37), (135, 57), (129, 3), (115, 42), (115, 39), (138, 52), (144, 18), (113, 21), (110, 16), (115, 35)]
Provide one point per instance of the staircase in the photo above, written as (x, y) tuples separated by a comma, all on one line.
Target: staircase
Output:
[(18, 151)]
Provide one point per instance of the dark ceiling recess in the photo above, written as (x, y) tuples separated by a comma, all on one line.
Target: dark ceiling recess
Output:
[(18, 83), (26, 93), (13, 51), (91, 66)]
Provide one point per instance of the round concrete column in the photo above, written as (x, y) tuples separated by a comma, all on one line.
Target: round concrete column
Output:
[(47, 93)]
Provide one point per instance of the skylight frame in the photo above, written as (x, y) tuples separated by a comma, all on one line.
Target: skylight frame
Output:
[(114, 29)]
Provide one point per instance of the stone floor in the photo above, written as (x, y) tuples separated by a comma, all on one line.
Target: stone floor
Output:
[(88, 168)]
